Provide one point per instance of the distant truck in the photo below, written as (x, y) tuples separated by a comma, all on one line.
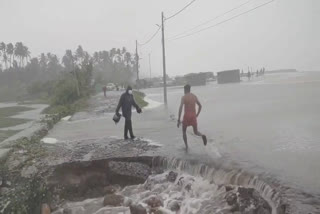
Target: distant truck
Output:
[(196, 79), (230, 76)]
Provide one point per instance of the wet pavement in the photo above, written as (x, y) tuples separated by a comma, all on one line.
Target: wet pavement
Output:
[(267, 127)]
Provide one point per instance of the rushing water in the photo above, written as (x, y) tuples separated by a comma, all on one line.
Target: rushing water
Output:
[(178, 192)]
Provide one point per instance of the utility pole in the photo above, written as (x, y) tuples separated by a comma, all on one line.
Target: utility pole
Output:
[(150, 64), (137, 60), (137, 65), (164, 62)]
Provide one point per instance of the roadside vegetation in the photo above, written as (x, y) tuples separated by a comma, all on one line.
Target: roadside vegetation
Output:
[(139, 98), (26, 78), (65, 85)]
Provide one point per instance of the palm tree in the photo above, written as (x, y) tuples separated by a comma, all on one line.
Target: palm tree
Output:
[(127, 58), (124, 50), (53, 63), (10, 51), (105, 56), (19, 52), (96, 58), (34, 65), (113, 52), (68, 60), (87, 59), (43, 61), (3, 48), (25, 54), (5, 59), (79, 54)]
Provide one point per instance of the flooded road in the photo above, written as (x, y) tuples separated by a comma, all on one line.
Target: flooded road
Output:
[(268, 127), (271, 124)]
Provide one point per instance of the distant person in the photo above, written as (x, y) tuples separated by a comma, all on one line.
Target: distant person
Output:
[(104, 88), (125, 103), (189, 101)]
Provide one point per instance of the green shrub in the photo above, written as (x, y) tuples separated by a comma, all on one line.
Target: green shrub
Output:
[(65, 92), (138, 96)]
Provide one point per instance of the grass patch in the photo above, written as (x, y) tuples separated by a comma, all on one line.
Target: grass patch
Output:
[(7, 112), (66, 110), (11, 111), (138, 96), (6, 134), (8, 122)]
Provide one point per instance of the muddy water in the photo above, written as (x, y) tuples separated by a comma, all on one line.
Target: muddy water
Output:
[(268, 128)]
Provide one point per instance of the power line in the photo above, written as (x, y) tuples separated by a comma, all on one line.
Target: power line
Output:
[(219, 23), (210, 20), (151, 38), (185, 7), (157, 31)]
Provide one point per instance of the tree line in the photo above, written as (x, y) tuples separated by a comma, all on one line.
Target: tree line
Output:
[(115, 65), (19, 71)]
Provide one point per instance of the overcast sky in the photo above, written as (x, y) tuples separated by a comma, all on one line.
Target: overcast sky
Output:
[(283, 34)]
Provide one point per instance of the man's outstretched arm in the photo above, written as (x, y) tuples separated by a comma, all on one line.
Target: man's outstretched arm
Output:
[(199, 107), (136, 105), (180, 111)]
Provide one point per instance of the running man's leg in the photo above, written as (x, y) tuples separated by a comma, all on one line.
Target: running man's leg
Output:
[(184, 135), (196, 132)]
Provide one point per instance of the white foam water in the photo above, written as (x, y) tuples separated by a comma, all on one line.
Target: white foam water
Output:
[(176, 193), (151, 142), (191, 194), (49, 140), (220, 176), (151, 103), (67, 118)]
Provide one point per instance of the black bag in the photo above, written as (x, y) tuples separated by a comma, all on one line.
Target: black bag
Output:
[(116, 118)]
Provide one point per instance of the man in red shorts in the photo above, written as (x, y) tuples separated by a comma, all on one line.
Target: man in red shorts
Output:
[(189, 102)]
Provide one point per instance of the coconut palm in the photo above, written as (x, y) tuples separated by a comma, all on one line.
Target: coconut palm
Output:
[(127, 58), (124, 50), (68, 60), (5, 59), (3, 51), (96, 57), (53, 63), (10, 52), (43, 62), (25, 54), (19, 52), (79, 55)]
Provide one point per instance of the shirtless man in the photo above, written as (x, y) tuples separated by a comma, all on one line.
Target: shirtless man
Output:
[(189, 102)]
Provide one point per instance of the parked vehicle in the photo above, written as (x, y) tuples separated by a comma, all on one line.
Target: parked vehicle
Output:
[(111, 86)]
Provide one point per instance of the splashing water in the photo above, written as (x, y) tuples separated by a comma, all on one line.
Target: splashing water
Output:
[(177, 193)]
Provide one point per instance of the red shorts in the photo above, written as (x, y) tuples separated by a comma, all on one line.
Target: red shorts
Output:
[(189, 119)]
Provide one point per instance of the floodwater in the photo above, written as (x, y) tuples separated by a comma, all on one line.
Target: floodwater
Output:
[(268, 126), (272, 123)]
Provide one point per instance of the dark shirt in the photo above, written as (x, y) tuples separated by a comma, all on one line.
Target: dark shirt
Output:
[(125, 103)]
